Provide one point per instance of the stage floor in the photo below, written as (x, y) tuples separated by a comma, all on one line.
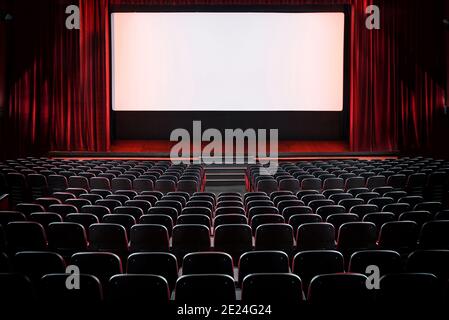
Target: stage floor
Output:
[(287, 150), (160, 146)]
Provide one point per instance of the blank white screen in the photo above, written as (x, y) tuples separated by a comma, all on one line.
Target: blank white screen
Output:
[(227, 61)]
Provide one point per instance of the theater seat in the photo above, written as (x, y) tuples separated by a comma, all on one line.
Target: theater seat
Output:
[(119, 197), (197, 211), (108, 237), (149, 237), (400, 236), (261, 219), (315, 236), (274, 236), (150, 198), (339, 289), (102, 265), (272, 287), (189, 186), (5, 263), (289, 184), (419, 217), (163, 264), (165, 186), (379, 219), (35, 264), (16, 288), (435, 262), (84, 219), (363, 209), (25, 235), (280, 198), (174, 204), (409, 289), (10, 216), (388, 261), (327, 210), (121, 184), (434, 235), (141, 185), (125, 220), (341, 218), (234, 239), (205, 288), (79, 203), (195, 219), (308, 264), (100, 183), (53, 288), (354, 236), (29, 208), (45, 218), (190, 238), (135, 212), (208, 263), (17, 187), (99, 210), (287, 212), (67, 238), (167, 211), (267, 186), (144, 288), (230, 219), (38, 185), (262, 262)]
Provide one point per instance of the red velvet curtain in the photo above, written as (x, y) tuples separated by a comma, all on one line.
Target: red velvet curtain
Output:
[(397, 77), (59, 84)]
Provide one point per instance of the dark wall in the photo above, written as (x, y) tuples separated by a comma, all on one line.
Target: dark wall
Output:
[(158, 125), (3, 48), (441, 133), (446, 15), (4, 30)]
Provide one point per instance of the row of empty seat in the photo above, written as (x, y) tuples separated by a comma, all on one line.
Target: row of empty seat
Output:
[(262, 276), (29, 179), (418, 176), (235, 239), (304, 233)]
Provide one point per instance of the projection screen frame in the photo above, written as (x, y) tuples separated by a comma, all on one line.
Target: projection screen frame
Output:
[(296, 125)]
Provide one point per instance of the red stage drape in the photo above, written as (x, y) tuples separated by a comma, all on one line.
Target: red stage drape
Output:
[(59, 86), (59, 83), (397, 77)]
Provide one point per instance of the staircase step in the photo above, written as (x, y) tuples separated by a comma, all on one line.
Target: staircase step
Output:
[(225, 182), (229, 169), (225, 175)]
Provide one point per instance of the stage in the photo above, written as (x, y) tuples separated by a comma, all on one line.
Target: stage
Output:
[(287, 150)]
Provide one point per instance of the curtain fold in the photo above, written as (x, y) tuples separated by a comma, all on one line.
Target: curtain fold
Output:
[(397, 77), (59, 88)]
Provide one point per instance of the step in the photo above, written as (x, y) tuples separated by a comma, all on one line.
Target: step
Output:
[(225, 175), (226, 161), (225, 182), (219, 189), (225, 169)]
